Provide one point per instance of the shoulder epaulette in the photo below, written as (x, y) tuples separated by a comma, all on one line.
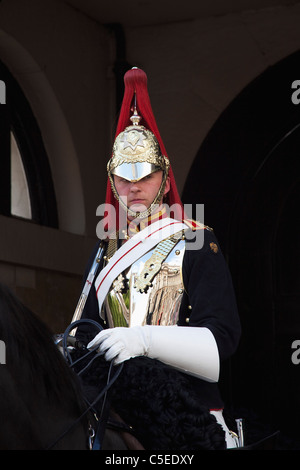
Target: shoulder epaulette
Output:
[(195, 225)]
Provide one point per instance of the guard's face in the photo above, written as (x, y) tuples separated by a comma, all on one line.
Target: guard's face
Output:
[(138, 195)]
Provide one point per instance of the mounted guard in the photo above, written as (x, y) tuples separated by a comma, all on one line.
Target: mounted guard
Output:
[(157, 291)]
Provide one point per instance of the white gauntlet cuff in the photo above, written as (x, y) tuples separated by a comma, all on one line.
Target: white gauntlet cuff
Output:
[(190, 349)]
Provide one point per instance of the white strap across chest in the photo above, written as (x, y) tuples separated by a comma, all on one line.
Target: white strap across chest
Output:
[(132, 250)]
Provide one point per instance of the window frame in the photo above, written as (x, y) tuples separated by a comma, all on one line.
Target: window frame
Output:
[(16, 116)]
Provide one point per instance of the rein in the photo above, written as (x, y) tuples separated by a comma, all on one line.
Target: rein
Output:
[(110, 380)]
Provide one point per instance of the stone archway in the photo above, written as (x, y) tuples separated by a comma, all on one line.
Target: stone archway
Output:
[(247, 175), (53, 125)]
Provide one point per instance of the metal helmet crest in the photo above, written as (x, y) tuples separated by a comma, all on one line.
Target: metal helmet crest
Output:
[(136, 154)]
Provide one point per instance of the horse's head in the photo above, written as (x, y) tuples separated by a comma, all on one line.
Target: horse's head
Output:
[(35, 372), (30, 350)]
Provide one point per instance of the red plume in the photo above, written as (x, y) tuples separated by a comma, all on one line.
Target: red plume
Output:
[(136, 84)]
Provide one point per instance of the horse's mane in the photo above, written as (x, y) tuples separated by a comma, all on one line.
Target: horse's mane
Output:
[(31, 355)]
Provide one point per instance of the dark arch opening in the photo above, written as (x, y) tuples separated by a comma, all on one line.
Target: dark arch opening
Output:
[(247, 175)]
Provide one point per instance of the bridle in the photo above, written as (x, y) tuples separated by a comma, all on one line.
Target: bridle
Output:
[(94, 436)]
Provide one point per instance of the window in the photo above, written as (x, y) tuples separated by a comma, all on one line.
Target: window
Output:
[(26, 187), (20, 200)]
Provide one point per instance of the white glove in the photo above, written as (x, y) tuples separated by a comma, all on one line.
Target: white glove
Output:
[(122, 343), (190, 349)]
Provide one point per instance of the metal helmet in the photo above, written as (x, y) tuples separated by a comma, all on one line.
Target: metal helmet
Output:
[(138, 151), (136, 154)]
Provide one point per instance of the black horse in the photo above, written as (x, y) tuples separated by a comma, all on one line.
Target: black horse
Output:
[(153, 406), (41, 401), (44, 402), (159, 406)]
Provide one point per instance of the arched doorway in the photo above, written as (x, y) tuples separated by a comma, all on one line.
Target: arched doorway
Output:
[(248, 174)]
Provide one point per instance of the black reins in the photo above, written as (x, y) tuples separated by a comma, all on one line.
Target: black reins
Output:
[(111, 378)]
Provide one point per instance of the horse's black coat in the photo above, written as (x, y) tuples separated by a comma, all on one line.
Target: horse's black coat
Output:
[(159, 404), (40, 395)]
